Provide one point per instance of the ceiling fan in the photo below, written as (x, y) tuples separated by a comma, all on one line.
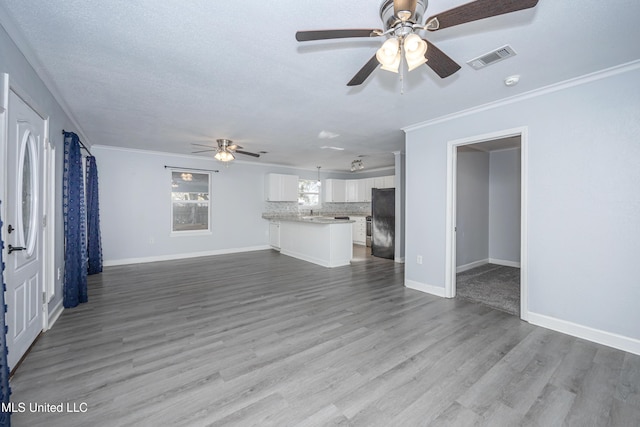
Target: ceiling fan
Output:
[(402, 21), (226, 150)]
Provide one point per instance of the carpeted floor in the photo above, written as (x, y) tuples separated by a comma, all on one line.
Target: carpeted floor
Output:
[(494, 285)]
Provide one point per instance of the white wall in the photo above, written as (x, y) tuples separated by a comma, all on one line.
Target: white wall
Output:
[(472, 207), (504, 205), (135, 214), (583, 195)]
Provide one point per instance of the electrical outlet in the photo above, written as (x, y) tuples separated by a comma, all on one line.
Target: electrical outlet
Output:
[(419, 259)]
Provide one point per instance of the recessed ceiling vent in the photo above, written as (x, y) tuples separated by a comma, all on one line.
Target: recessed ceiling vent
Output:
[(497, 55)]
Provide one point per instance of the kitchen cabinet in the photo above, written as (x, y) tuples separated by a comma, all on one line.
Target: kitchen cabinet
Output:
[(359, 230), (384, 181), (378, 182), (355, 190), (335, 190), (389, 181), (352, 186), (281, 188), (274, 234), (364, 189)]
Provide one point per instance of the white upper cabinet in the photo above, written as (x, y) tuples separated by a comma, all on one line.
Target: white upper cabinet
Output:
[(352, 187), (378, 182), (281, 188), (384, 181), (335, 190), (364, 189), (355, 190)]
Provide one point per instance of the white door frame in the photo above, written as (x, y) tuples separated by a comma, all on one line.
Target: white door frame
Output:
[(452, 170), (48, 231)]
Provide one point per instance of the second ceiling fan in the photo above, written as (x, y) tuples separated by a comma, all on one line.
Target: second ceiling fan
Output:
[(225, 150), (402, 21)]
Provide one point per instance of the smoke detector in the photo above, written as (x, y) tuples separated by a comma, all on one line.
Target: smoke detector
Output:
[(512, 80)]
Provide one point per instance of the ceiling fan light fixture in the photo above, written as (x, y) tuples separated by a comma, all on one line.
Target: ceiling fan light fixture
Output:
[(414, 51), (389, 55), (224, 156), (414, 63)]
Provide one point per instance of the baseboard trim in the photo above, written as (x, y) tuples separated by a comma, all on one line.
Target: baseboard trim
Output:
[(504, 262), (423, 287), (126, 261), (55, 314), (630, 345), (471, 265)]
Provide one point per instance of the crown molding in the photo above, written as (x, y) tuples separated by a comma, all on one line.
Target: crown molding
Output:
[(192, 157), (555, 87)]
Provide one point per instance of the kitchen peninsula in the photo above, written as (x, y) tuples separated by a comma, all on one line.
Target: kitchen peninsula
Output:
[(325, 241)]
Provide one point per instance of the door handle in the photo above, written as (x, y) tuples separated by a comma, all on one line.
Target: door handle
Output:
[(16, 248)]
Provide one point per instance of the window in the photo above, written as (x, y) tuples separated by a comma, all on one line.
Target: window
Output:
[(308, 193), (189, 201)]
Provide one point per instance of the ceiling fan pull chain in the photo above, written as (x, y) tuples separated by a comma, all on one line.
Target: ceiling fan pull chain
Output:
[(401, 79)]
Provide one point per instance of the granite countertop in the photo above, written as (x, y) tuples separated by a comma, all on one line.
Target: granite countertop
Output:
[(317, 219)]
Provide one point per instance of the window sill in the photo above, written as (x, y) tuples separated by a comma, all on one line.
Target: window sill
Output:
[(190, 233)]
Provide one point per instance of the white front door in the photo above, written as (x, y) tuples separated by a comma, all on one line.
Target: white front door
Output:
[(23, 238)]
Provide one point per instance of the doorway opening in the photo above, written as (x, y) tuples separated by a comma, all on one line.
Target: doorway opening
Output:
[(486, 221)]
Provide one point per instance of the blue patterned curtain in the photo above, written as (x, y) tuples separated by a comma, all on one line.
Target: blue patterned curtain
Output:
[(5, 391), (94, 244), (75, 249)]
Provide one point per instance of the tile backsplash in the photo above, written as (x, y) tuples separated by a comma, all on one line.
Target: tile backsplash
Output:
[(353, 208), (281, 208), (291, 208)]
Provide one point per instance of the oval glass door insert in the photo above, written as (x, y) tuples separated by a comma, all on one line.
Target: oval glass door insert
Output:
[(27, 188)]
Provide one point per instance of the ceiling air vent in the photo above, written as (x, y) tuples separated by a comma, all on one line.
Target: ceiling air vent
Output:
[(492, 57)]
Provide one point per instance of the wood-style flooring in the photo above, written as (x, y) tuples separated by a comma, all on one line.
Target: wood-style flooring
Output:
[(263, 339)]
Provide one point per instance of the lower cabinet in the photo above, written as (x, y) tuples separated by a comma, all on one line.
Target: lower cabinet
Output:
[(274, 235), (359, 230)]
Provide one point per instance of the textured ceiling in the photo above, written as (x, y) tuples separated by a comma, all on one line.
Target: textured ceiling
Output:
[(160, 75)]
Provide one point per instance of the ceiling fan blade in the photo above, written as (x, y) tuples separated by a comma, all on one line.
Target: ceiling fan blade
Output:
[(204, 151), (364, 72), (304, 36), (246, 153), (202, 145), (476, 10), (439, 61)]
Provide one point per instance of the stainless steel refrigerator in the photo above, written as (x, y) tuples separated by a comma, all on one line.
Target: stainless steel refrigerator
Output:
[(383, 222)]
